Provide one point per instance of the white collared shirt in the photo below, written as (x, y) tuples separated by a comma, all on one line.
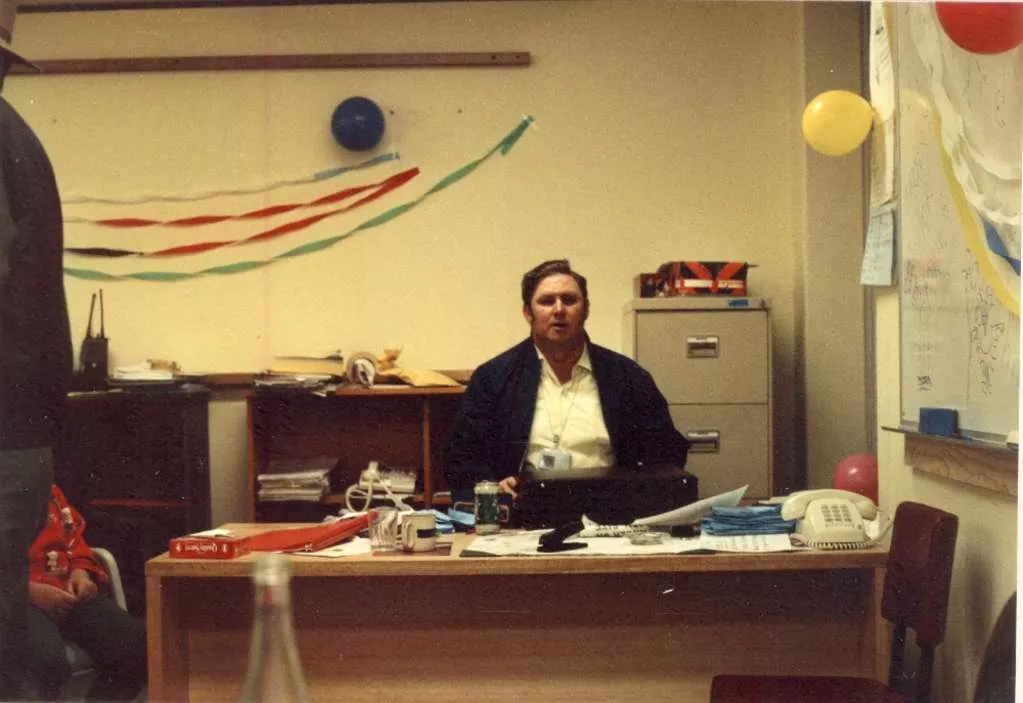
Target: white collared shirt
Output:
[(568, 416)]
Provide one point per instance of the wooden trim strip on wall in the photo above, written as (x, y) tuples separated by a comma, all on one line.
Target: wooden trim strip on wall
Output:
[(276, 62), (90, 5)]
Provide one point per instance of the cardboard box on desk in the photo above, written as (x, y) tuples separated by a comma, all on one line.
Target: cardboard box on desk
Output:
[(703, 278), (211, 544)]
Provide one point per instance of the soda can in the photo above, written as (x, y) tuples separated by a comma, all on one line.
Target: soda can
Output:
[(486, 508)]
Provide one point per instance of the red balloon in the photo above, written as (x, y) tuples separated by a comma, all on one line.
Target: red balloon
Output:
[(982, 27), (857, 473)]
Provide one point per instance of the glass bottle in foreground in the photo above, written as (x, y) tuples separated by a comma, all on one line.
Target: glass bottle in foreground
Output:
[(275, 672)]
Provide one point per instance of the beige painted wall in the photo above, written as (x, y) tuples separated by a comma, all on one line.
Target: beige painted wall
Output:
[(834, 348), (662, 132)]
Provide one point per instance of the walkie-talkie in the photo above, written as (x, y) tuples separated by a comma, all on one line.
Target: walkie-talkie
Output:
[(93, 356)]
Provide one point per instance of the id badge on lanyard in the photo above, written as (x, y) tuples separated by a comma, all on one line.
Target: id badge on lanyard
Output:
[(555, 459)]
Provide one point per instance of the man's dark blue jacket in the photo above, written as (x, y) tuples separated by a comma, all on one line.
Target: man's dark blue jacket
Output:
[(491, 434)]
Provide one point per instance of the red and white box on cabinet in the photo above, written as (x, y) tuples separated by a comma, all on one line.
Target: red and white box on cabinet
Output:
[(209, 544)]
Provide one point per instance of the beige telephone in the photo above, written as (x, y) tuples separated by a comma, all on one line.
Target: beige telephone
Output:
[(830, 518)]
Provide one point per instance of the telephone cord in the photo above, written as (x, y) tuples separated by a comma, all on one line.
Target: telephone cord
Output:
[(866, 544), (355, 491)]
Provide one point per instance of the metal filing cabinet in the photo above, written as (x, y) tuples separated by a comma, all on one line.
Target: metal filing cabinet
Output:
[(711, 358)]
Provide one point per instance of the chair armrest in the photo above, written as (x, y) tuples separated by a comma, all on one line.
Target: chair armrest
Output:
[(110, 564)]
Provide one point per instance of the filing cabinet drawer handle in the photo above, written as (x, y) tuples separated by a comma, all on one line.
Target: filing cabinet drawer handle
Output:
[(704, 441), (702, 347)]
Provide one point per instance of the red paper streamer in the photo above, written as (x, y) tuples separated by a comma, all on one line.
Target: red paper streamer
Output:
[(202, 220), (380, 189)]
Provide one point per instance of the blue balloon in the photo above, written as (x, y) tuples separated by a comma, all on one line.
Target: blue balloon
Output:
[(357, 124)]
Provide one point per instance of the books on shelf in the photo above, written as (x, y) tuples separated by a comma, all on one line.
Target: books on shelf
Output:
[(329, 365), (295, 478)]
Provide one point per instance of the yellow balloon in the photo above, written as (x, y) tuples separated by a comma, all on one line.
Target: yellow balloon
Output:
[(837, 122)]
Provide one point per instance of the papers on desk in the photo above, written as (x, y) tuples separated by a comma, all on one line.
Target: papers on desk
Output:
[(354, 547), (748, 543), (690, 514), (142, 373), (521, 544)]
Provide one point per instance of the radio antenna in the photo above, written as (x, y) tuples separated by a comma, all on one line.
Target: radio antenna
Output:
[(88, 332), (102, 317)]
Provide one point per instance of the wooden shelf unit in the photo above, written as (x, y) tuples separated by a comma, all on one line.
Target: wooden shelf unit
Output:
[(400, 426)]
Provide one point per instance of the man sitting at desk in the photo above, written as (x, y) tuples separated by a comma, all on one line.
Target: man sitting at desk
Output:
[(556, 400)]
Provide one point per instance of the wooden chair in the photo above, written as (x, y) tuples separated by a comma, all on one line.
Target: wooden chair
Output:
[(916, 586)]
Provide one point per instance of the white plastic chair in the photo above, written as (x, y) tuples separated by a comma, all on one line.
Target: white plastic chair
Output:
[(83, 671)]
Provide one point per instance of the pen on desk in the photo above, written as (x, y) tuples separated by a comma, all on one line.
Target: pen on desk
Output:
[(79, 394)]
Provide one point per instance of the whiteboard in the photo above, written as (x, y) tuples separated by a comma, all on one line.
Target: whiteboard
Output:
[(958, 161)]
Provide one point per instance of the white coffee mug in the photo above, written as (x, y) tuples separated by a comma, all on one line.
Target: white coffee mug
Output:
[(419, 531)]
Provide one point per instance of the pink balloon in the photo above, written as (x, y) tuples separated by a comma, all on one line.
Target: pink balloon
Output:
[(857, 473)]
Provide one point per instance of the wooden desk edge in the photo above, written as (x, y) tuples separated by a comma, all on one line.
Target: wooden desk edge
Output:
[(452, 564)]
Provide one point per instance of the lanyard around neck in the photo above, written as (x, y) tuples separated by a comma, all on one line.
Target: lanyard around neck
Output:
[(574, 388)]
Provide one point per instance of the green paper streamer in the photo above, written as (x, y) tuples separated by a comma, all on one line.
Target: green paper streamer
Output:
[(504, 146)]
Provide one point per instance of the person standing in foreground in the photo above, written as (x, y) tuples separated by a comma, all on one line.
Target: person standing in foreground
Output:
[(35, 359), (557, 399)]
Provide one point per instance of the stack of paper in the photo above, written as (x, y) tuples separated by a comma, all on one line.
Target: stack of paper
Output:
[(142, 372), (309, 486)]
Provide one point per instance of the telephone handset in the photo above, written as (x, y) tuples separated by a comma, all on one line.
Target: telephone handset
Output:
[(830, 518)]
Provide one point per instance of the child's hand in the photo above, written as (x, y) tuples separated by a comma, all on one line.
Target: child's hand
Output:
[(55, 602), (82, 586)]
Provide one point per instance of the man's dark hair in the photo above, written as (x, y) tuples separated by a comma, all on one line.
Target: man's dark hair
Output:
[(552, 267)]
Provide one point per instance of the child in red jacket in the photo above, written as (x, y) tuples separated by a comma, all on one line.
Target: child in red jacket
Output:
[(68, 605)]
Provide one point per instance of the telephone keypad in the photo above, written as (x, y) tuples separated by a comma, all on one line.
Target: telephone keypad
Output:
[(836, 513)]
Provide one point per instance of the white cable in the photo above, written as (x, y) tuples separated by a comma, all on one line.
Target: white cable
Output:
[(357, 491)]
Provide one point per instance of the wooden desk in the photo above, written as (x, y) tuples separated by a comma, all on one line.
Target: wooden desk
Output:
[(551, 628)]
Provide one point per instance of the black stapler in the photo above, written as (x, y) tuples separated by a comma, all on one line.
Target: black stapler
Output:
[(94, 352), (554, 541)]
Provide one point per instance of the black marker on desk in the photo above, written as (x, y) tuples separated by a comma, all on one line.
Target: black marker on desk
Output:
[(554, 541)]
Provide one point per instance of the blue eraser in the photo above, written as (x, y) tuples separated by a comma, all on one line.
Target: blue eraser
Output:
[(939, 421), (738, 303)]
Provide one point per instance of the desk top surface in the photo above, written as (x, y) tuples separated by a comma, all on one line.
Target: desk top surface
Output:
[(446, 561)]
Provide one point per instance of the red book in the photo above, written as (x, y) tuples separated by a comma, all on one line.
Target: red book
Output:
[(200, 546)]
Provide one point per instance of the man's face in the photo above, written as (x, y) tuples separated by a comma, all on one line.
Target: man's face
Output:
[(557, 311)]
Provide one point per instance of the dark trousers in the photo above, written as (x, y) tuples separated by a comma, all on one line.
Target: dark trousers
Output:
[(113, 639), (25, 479)]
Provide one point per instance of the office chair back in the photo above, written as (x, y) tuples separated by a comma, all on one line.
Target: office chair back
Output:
[(916, 588)]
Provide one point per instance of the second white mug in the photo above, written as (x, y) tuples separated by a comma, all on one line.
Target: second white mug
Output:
[(419, 531)]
